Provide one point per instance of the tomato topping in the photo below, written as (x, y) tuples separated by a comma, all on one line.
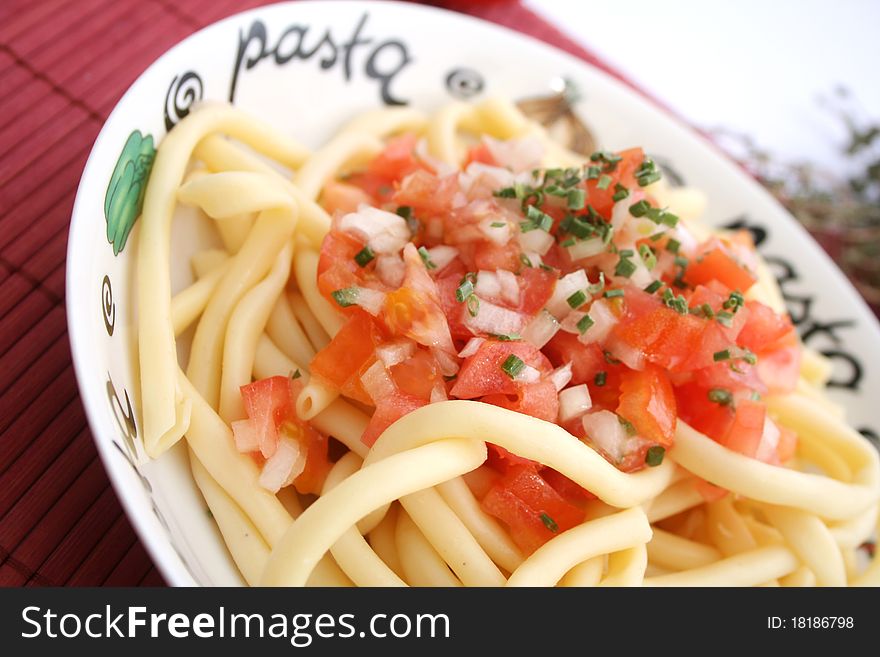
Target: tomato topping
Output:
[(344, 198), (648, 402), (351, 351), (481, 374), (479, 153), (530, 507), (390, 409), (270, 406), (716, 260), (417, 375), (337, 268), (601, 198), (536, 399), (744, 433)]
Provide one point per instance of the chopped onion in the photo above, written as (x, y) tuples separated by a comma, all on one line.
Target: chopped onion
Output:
[(370, 300), (604, 320), (574, 402), (438, 393), (509, 286), (391, 270), (384, 232), (769, 442), (522, 154), (565, 287), (604, 430), (377, 382), (488, 285), (439, 166), (528, 374), (285, 465), (561, 376), (246, 437), (479, 180), (632, 357), (541, 329), (586, 248), (442, 255), (536, 240), (471, 347), (491, 318), (496, 230), (397, 351), (448, 362)]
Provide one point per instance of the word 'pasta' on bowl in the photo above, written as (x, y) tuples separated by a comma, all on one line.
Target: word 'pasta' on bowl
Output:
[(350, 306)]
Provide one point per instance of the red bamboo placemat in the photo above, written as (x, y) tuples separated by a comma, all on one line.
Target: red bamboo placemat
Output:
[(63, 66)]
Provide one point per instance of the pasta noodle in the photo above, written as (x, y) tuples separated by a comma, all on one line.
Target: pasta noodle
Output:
[(326, 403)]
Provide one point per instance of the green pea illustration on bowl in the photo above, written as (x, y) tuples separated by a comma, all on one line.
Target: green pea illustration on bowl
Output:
[(125, 193)]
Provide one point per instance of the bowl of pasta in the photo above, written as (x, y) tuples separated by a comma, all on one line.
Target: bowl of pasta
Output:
[(351, 306)]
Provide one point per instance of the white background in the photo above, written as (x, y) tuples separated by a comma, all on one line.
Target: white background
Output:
[(755, 66)]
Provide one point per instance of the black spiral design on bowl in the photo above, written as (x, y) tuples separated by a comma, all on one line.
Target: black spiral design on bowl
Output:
[(182, 93), (108, 306), (464, 83)]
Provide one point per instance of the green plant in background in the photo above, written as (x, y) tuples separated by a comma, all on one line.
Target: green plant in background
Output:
[(842, 209), (125, 192)]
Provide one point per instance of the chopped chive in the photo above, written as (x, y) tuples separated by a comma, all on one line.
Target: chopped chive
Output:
[(639, 209), (464, 291), (647, 173), (755, 396), (673, 245), (593, 173), (426, 258), (545, 267), (647, 255), (576, 199), (505, 192), (404, 211), (295, 375), (540, 219), (451, 377), (513, 365), (604, 182), (724, 318), (346, 296), (653, 287), (734, 302), (600, 378), (523, 258), (626, 253), (654, 456), (473, 305), (609, 358), (549, 523), (721, 355), (656, 237), (707, 311), (569, 242), (498, 224), (364, 256), (577, 299), (620, 192), (721, 396), (506, 337), (584, 323), (681, 261), (625, 267), (749, 357), (669, 219), (613, 294)]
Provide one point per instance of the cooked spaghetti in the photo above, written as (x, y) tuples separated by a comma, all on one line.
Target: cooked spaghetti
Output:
[(443, 350)]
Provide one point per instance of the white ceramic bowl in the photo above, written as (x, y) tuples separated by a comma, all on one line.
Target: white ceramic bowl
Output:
[(294, 65)]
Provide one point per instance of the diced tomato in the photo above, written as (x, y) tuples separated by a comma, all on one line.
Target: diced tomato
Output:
[(270, 405), (415, 310), (536, 399), (337, 268), (349, 354), (716, 260), (763, 328), (416, 375), (663, 336), (267, 402), (623, 173), (390, 409), (571, 492), (489, 256), (479, 153), (704, 415), (454, 310), (536, 288), (714, 294), (586, 360), (398, 160), (736, 376), (780, 367), (427, 193), (501, 459), (379, 188), (533, 511), (648, 402), (342, 197), (481, 374), (744, 435)]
